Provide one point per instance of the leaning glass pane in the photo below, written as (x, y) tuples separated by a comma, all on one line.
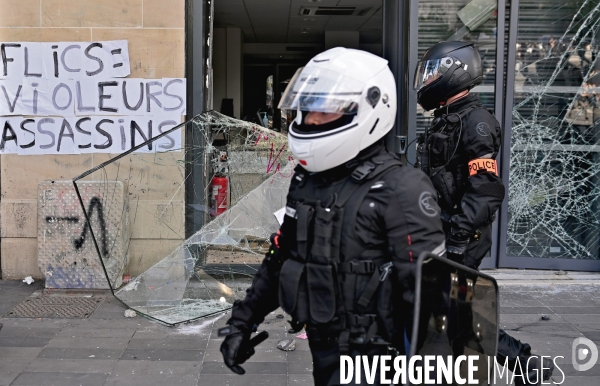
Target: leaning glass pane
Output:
[(136, 206)]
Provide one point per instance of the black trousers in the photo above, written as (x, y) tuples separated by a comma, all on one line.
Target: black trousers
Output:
[(326, 362), (508, 347)]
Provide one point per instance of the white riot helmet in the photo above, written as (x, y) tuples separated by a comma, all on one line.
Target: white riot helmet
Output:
[(351, 82)]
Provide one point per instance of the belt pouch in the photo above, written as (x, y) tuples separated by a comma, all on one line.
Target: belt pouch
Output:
[(323, 230), (321, 292), (293, 296)]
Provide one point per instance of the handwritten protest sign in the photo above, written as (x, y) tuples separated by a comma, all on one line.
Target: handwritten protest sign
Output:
[(74, 98)]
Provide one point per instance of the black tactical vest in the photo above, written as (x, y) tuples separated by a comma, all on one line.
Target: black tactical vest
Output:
[(439, 156), (331, 278)]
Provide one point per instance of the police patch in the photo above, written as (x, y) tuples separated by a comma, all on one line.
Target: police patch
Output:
[(427, 204), (483, 129)]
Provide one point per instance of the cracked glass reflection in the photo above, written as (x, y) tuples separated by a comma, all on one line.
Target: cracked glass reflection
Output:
[(174, 279), (554, 164)]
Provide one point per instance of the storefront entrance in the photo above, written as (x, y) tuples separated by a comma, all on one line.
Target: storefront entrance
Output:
[(541, 78)]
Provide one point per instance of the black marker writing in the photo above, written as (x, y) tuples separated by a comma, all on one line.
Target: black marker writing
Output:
[(100, 64), (65, 125), (11, 106), (102, 96), (171, 140), (139, 102), (166, 92), (6, 59), (58, 87), (6, 137), (55, 56), (79, 129), (30, 144), (123, 141), (116, 51), (136, 128), (80, 105), (151, 95), (35, 97), (62, 58), (108, 143), (27, 65), (48, 133)]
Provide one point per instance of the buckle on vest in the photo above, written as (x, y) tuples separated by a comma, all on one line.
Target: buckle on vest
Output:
[(361, 320), (362, 171), (364, 266)]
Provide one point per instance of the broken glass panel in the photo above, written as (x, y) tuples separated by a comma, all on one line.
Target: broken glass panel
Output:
[(554, 185), (173, 279)]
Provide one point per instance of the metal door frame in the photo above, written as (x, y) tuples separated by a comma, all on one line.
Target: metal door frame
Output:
[(499, 107)]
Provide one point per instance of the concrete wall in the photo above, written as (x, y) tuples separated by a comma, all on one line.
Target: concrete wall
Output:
[(156, 36), (227, 68)]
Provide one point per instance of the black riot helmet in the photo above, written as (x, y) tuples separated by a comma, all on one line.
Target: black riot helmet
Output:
[(445, 70)]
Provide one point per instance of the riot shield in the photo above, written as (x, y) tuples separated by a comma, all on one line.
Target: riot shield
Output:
[(456, 313)]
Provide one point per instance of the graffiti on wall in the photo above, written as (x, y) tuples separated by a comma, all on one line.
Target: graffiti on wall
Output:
[(67, 253)]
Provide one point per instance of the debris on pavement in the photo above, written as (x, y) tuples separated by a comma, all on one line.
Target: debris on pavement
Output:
[(302, 336), (545, 317), (130, 314), (287, 345), (28, 280)]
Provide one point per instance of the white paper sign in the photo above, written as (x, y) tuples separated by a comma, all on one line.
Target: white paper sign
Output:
[(112, 96), (91, 134), (64, 60), (73, 98)]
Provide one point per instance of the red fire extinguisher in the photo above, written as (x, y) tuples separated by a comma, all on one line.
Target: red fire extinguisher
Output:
[(219, 186)]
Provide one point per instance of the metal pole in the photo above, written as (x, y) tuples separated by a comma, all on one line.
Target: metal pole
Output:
[(507, 122), (396, 34), (498, 113), (195, 46)]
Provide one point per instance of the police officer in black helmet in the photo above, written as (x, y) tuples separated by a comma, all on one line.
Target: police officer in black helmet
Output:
[(458, 152), (343, 261)]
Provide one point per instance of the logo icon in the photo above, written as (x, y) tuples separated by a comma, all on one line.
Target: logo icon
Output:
[(584, 354), (427, 204), (483, 129)]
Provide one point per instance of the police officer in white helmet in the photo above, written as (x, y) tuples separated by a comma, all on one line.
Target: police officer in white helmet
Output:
[(342, 263)]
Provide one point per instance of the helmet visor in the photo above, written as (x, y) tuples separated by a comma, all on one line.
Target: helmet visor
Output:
[(321, 90), (431, 70)]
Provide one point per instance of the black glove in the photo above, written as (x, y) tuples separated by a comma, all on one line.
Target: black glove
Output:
[(236, 348), (457, 243)]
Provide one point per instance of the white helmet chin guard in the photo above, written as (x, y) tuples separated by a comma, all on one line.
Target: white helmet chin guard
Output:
[(356, 84)]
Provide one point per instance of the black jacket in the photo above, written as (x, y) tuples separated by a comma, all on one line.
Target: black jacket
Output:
[(399, 216), (475, 140)]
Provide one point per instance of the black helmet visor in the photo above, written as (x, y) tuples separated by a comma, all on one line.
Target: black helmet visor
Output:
[(431, 70)]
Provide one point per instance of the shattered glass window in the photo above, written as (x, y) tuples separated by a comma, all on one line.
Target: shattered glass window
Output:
[(170, 278), (554, 185)]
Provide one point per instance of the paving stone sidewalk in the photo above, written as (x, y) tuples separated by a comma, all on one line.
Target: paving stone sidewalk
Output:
[(108, 349)]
